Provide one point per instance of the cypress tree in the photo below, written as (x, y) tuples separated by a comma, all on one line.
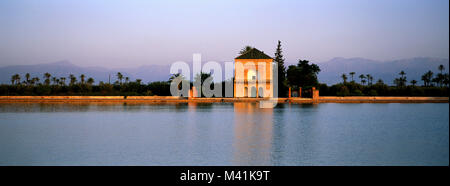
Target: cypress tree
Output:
[(282, 88)]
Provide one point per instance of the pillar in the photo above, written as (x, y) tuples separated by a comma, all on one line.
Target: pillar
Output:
[(300, 92), (194, 92), (315, 94), (257, 90), (289, 96), (191, 93)]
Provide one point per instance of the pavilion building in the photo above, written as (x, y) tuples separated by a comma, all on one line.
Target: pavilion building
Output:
[(253, 74)]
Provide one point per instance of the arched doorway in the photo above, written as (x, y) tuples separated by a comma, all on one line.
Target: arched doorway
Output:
[(261, 92), (246, 92), (253, 92)]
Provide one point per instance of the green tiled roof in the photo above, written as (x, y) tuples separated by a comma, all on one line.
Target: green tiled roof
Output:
[(254, 54)]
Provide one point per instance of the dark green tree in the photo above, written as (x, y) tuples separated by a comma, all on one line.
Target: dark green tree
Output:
[(352, 74), (369, 79), (54, 80), (413, 82), (82, 76), (440, 77), (362, 77), (201, 78), (441, 68), (303, 75), (344, 78), (245, 49), (62, 81), (47, 78), (427, 77), (73, 79), (15, 79), (90, 81), (27, 78), (380, 82), (282, 84), (446, 79), (119, 77)]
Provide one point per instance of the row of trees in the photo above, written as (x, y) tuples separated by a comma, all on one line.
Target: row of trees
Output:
[(380, 89), (49, 80), (61, 81), (364, 78), (440, 80), (428, 79), (433, 86), (57, 86)]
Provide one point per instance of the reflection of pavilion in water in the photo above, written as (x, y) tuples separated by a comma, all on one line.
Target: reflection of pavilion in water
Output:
[(252, 143)]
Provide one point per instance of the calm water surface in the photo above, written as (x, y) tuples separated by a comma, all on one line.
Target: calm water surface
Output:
[(224, 134)]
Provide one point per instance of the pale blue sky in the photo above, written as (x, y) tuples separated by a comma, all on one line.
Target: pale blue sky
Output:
[(136, 32)]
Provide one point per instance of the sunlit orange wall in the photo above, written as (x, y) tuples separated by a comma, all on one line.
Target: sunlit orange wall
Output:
[(255, 61)]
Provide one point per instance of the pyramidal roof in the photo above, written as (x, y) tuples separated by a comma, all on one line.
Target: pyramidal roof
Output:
[(253, 54)]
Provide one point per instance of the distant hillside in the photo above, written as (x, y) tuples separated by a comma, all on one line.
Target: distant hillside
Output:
[(330, 70)]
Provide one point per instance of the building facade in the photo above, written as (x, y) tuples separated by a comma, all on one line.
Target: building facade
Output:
[(253, 75)]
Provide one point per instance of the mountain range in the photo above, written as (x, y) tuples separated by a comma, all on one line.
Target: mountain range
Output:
[(330, 73)]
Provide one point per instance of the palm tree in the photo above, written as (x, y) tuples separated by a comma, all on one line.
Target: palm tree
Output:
[(427, 77), (54, 80), (120, 77), (27, 77), (32, 81), (369, 79), (380, 82), (446, 79), (441, 77), (363, 81), (63, 81), (362, 77), (413, 82), (402, 73), (173, 76), (47, 78), (245, 49), (344, 78), (441, 68), (126, 80), (35, 80), (15, 79), (73, 79), (177, 75), (425, 80), (82, 78), (402, 80), (352, 74), (90, 81), (435, 80)]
